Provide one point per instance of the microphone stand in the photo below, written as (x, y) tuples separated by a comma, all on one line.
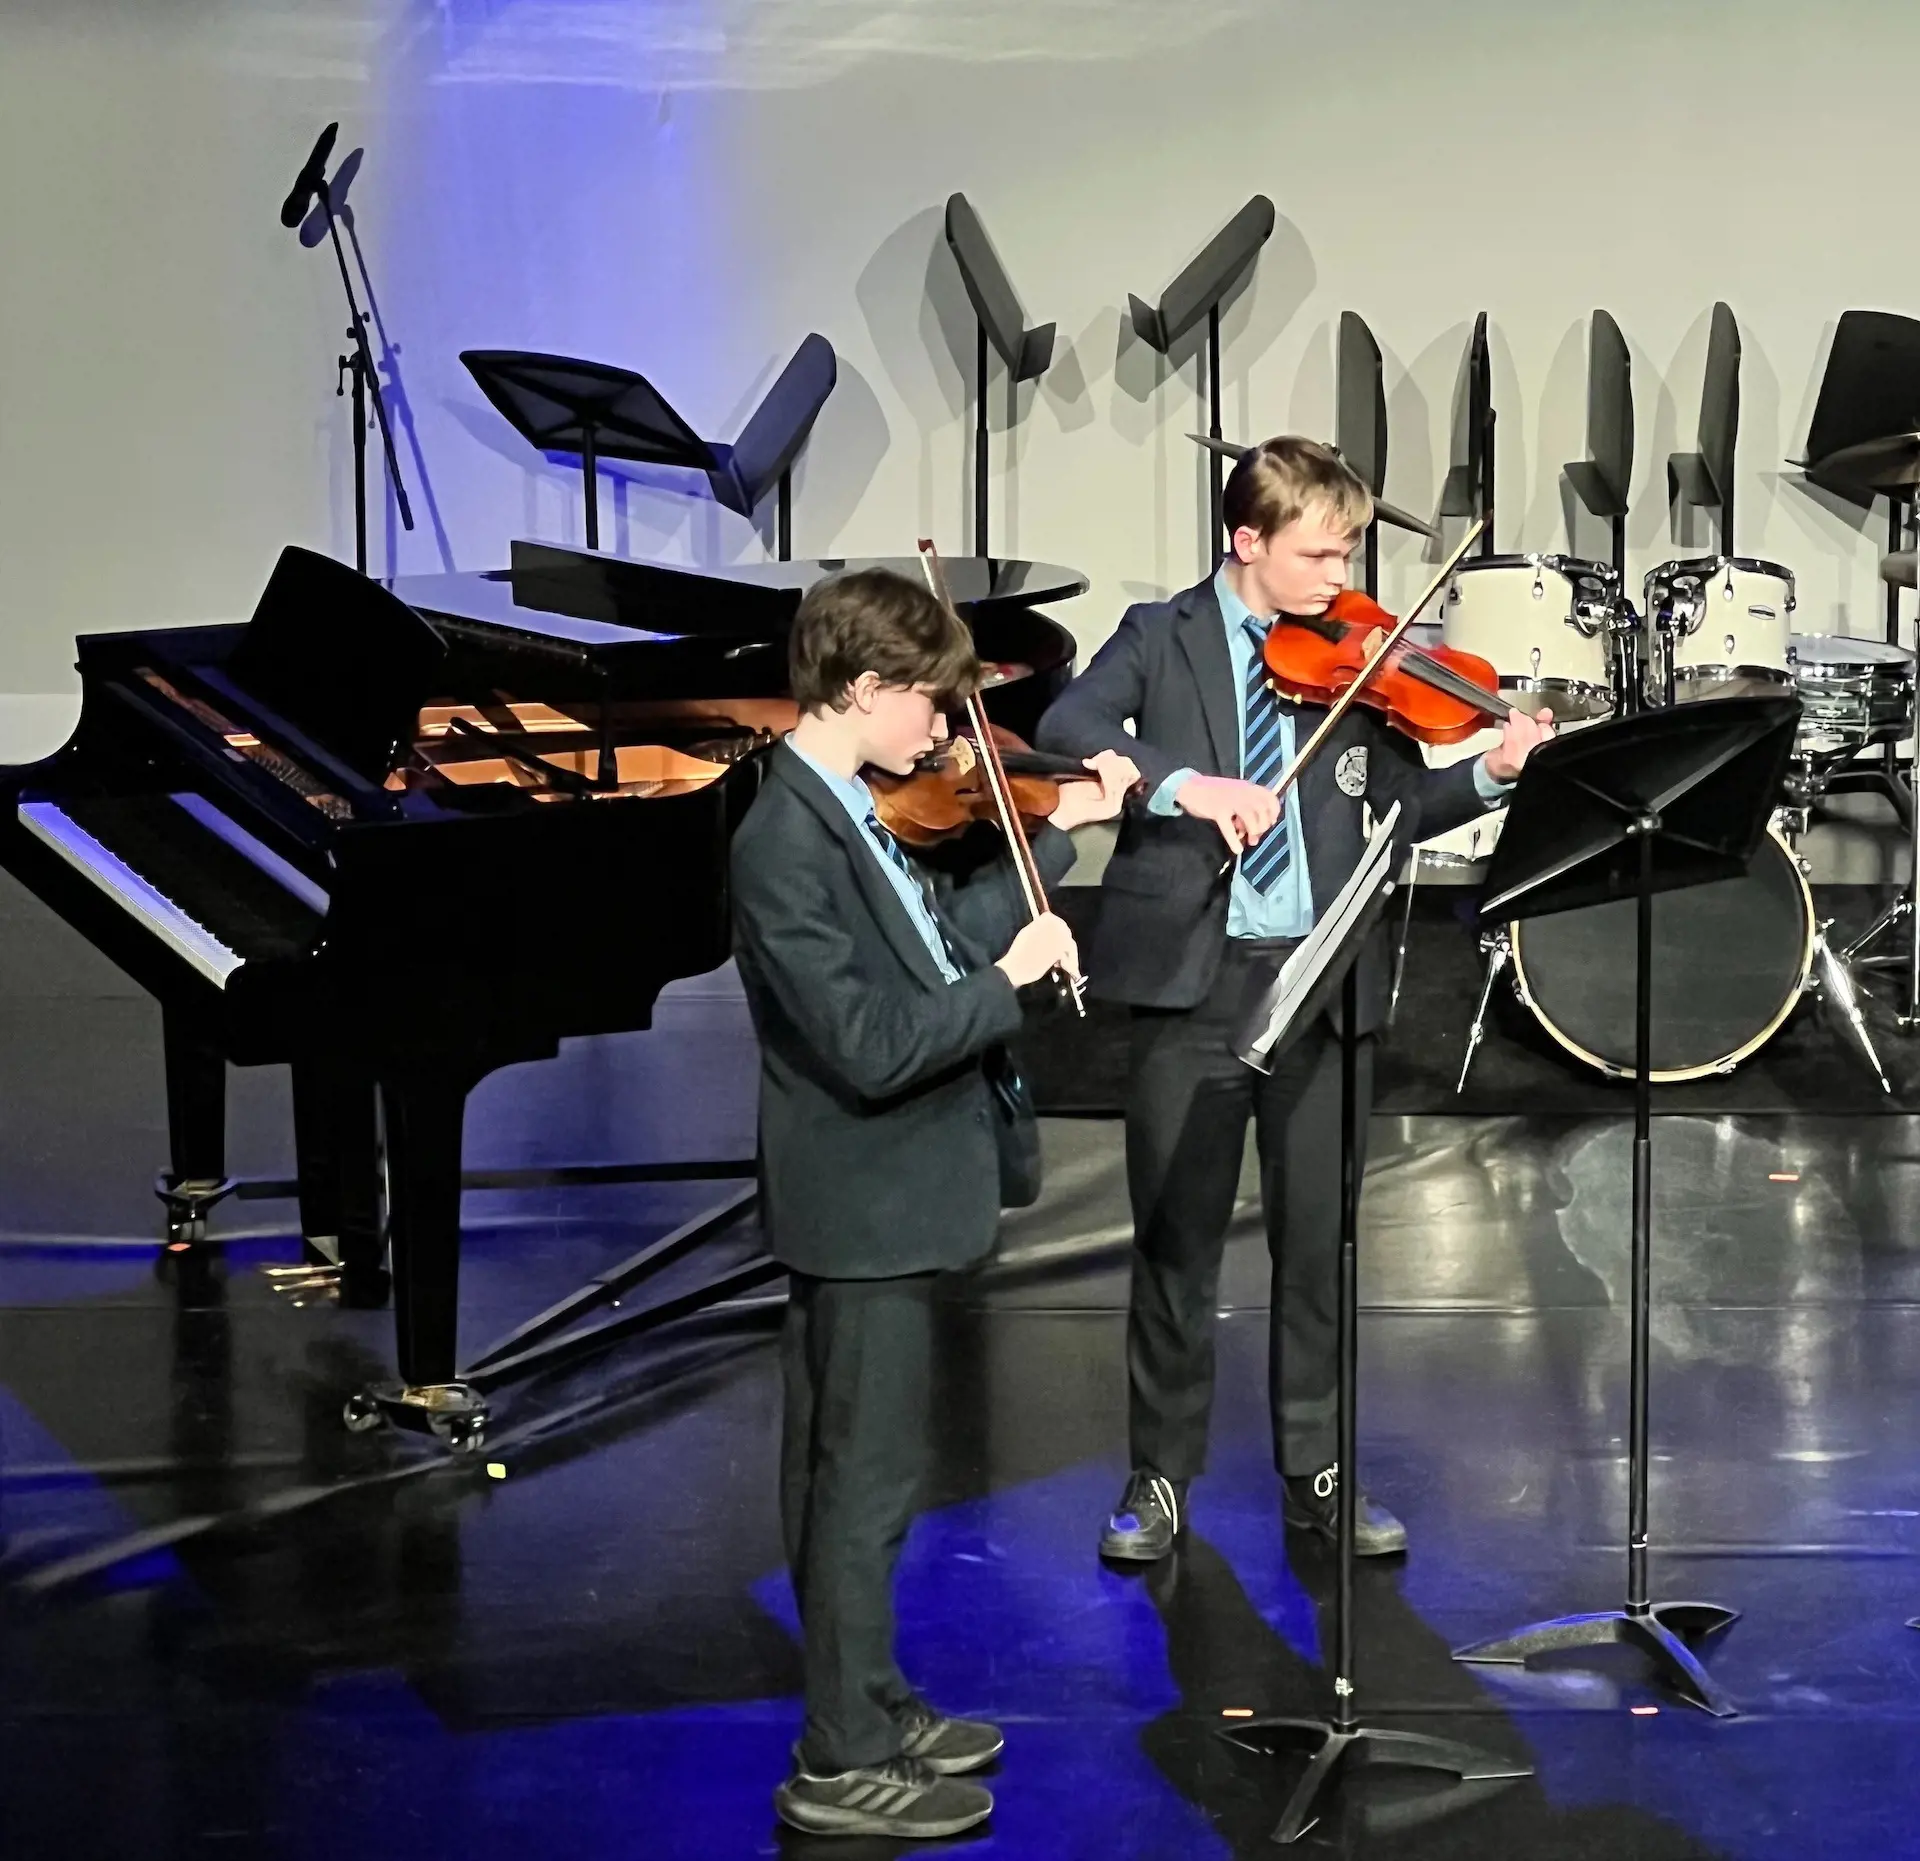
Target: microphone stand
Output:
[(366, 383)]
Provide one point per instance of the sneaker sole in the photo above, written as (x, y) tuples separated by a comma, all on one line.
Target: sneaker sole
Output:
[(959, 1766), (820, 1819)]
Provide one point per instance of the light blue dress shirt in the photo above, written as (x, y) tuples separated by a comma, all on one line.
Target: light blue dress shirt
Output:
[(857, 798), (1285, 909)]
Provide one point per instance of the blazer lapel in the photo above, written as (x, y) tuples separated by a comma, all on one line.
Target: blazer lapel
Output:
[(882, 900), (1203, 638)]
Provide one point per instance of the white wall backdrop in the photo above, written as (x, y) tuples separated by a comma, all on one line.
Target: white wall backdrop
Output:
[(689, 186)]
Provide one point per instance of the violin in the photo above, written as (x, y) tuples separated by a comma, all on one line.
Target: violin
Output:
[(950, 788), (1033, 892), (1436, 694)]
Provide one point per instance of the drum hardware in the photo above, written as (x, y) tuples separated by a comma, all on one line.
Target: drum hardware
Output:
[(1497, 947)]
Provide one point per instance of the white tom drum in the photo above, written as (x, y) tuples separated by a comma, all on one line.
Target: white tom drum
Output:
[(1715, 620), (1544, 623), (1852, 692)]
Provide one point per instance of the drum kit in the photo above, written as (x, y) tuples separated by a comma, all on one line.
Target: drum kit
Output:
[(1736, 957)]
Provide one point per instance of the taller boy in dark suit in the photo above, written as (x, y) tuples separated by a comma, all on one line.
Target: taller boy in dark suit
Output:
[(883, 996), (1182, 938)]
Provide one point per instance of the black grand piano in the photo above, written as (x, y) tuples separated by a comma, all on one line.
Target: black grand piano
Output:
[(341, 835)]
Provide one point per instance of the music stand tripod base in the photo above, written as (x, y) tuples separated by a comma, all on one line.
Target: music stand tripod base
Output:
[(1664, 1632), (1342, 1741), (1656, 802), (1335, 1750)]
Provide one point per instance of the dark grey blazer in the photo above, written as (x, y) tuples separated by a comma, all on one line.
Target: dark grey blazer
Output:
[(878, 1153), (1163, 906)]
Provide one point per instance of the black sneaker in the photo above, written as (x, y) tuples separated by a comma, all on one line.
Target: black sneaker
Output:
[(1311, 1502), (948, 1746), (1150, 1515), (902, 1798)]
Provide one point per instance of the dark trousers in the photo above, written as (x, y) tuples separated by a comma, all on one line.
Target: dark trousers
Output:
[(1187, 1112), (854, 1358)]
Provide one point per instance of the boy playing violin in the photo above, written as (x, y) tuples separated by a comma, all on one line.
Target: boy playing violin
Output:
[(883, 995), (1182, 940)]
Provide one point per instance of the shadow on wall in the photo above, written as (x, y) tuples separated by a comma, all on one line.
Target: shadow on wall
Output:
[(915, 308)]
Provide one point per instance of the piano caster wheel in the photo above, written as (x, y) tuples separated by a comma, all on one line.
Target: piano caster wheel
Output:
[(463, 1434), (455, 1414)]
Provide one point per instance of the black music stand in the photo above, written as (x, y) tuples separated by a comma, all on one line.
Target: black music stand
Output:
[(1616, 812), (562, 404), (1199, 290), (1603, 478), (1001, 321), (1340, 1742), (1468, 490), (1704, 478)]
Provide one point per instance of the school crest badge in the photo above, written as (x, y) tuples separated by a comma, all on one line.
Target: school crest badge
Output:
[(1350, 772)]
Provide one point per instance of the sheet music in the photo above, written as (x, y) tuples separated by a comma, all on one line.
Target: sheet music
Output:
[(1301, 973)]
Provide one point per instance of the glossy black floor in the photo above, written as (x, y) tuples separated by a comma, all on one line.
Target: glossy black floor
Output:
[(231, 1629)]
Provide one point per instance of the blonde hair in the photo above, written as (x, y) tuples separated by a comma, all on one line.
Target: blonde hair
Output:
[(1278, 481)]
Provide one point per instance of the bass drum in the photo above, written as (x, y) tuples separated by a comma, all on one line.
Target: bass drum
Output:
[(1730, 960)]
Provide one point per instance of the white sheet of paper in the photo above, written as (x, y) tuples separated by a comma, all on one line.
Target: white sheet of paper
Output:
[(1303, 969)]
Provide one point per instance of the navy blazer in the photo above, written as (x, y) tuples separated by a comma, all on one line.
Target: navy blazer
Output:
[(1163, 906), (879, 1152)]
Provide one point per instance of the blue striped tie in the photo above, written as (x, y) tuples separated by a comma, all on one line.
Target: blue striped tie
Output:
[(1264, 760), (898, 854)]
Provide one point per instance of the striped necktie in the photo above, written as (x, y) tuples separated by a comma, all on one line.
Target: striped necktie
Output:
[(1263, 762), (898, 855)]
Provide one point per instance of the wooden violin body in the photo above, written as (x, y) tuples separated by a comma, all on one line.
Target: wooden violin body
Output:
[(1433, 694), (949, 790)]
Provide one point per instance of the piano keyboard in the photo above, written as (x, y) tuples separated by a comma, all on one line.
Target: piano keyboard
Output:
[(190, 940)]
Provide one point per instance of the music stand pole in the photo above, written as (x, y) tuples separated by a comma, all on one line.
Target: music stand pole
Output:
[(366, 381), (1699, 780), (1486, 483), (1340, 1741), (1216, 462), (590, 480), (980, 440)]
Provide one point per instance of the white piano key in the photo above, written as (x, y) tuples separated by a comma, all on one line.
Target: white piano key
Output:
[(192, 942)]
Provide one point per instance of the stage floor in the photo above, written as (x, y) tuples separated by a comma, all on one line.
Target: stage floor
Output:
[(230, 1628)]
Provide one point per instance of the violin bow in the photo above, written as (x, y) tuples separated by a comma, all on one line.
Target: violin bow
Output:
[(1342, 704), (1033, 891)]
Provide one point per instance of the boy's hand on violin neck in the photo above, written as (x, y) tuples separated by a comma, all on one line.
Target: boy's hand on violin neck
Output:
[(1081, 802), (1044, 945), (1519, 736), (1242, 811)]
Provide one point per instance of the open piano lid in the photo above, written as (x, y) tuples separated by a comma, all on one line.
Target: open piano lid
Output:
[(341, 658), (746, 600)]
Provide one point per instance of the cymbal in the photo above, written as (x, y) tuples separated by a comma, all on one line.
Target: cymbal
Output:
[(1891, 463), (1899, 568), (1385, 512)]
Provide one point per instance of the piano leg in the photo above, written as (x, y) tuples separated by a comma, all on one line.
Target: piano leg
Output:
[(425, 1112), (337, 1143), (196, 1179)]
